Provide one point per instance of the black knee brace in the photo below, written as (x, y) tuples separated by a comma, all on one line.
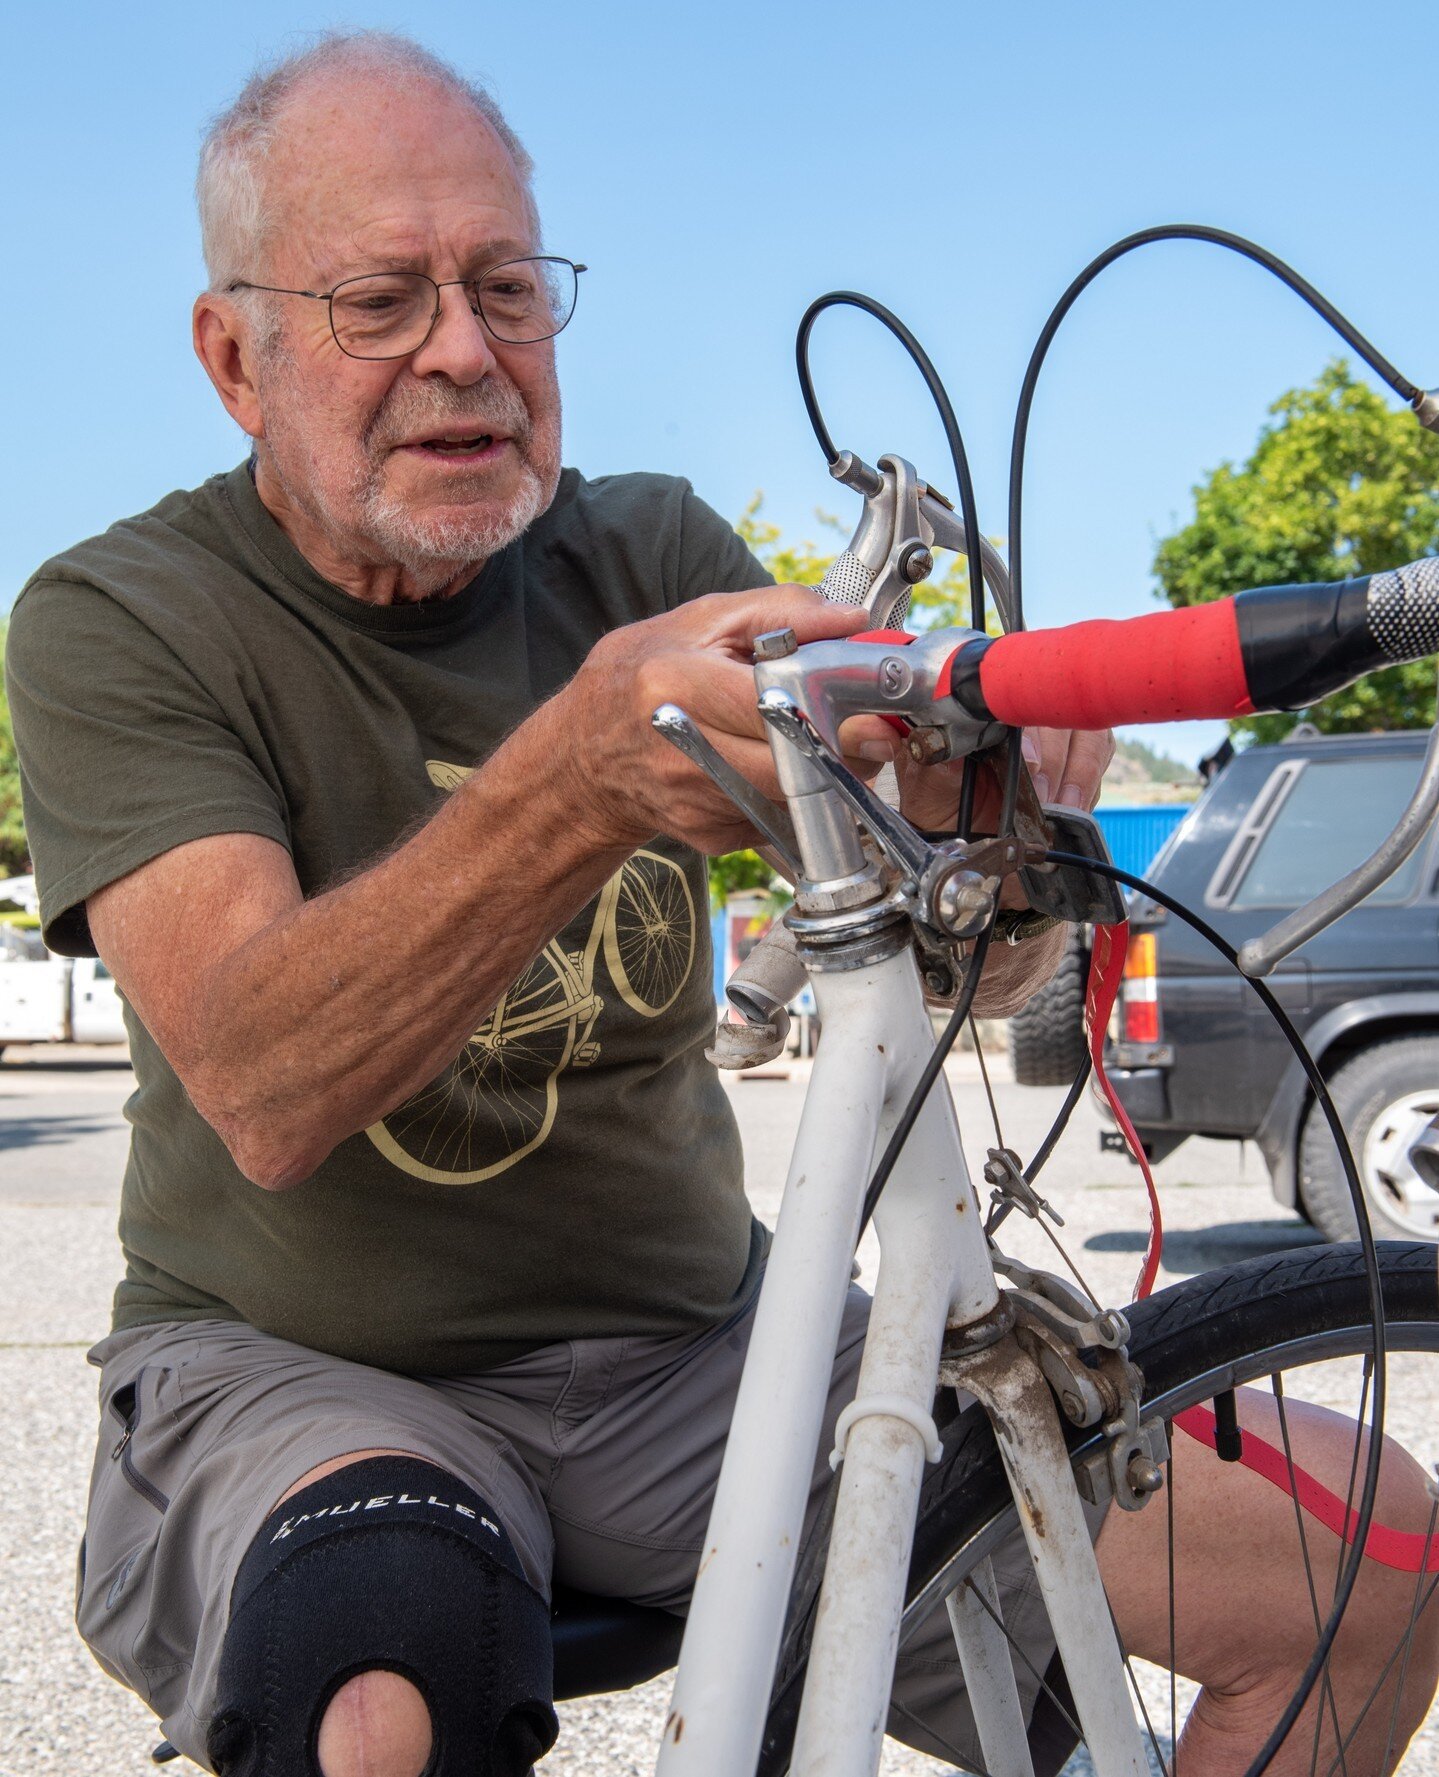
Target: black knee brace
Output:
[(389, 1563)]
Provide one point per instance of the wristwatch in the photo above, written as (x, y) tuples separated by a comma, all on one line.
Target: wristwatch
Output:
[(1013, 925)]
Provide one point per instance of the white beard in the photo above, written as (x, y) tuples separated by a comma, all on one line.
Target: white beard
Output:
[(433, 550), (365, 523)]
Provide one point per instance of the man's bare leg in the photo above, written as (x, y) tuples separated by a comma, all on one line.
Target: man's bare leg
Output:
[(1244, 1615)]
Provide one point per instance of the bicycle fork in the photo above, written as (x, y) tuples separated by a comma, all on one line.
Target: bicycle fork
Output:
[(1020, 1403)]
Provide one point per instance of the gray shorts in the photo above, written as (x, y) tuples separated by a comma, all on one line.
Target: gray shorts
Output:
[(599, 1455)]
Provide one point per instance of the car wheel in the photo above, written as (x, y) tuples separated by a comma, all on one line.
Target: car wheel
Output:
[(1047, 1043), (1386, 1097)]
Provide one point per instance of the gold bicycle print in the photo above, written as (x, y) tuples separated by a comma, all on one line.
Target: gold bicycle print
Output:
[(498, 1100)]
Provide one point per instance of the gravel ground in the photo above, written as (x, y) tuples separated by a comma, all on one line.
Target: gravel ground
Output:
[(62, 1144)]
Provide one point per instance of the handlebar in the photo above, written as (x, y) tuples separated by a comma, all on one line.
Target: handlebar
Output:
[(1274, 648)]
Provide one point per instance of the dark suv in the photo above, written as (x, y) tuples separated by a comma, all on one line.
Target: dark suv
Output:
[(1193, 1052)]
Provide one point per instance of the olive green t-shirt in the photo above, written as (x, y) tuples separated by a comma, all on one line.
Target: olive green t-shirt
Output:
[(576, 1172)]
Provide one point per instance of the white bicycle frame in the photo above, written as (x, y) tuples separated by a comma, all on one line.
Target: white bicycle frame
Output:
[(935, 1273)]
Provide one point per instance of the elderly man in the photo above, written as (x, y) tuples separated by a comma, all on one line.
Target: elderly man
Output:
[(439, 1267)]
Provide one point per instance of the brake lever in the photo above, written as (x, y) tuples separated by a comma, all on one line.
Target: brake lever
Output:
[(671, 722), (892, 550)]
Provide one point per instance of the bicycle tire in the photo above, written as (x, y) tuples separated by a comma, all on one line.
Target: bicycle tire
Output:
[(1198, 1338)]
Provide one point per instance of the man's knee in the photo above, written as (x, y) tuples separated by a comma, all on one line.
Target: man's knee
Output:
[(381, 1625), (376, 1725)]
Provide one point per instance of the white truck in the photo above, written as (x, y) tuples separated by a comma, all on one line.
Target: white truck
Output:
[(51, 999)]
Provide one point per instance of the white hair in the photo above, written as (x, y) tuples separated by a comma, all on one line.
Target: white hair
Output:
[(235, 210)]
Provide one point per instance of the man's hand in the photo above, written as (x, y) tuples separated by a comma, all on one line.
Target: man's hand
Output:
[(631, 783), (1067, 766)]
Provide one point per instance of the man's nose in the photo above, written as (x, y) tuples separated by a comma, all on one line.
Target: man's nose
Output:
[(459, 345)]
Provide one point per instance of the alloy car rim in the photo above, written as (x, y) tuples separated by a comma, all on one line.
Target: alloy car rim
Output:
[(1395, 1188)]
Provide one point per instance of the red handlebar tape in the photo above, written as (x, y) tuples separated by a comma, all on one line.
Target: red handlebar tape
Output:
[(1172, 666)]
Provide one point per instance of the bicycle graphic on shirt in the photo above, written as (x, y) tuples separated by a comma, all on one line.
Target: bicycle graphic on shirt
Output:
[(498, 1100)]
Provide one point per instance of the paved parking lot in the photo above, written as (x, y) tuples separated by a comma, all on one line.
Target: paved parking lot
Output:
[(62, 1144)]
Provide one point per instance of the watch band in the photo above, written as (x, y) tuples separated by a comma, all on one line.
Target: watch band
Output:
[(1014, 925)]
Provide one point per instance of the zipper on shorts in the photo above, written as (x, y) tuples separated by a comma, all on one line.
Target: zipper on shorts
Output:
[(131, 1418)]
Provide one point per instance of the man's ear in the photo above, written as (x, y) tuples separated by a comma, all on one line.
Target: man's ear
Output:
[(223, 346)]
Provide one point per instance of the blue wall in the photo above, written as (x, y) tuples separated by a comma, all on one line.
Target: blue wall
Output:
[(1134, 835)]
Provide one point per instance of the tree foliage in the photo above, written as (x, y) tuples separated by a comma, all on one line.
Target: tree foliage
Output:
[(13, 853), (1338, 484)]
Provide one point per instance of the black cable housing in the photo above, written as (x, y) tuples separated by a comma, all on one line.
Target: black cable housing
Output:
[(1408, 392), (1365, 1516), (1170, 231), (968, 508)]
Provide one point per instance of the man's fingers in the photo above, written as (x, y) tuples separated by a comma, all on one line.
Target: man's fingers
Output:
[(870, 738), (1084, 767), (738, 617), (1068, 765)]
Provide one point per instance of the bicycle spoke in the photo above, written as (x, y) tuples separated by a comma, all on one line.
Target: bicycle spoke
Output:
[(1044, 1684), (1339, 1557), (961, 1759), (1409, 1638), (1139, 1694), (1173, 1639), (1327, 1693), (1379, 1682)]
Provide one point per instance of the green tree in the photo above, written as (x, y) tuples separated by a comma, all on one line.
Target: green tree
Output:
[(12, 829), (1338, 484)]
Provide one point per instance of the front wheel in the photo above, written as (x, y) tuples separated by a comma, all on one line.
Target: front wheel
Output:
[(1296, 1323), (1386, 1097)]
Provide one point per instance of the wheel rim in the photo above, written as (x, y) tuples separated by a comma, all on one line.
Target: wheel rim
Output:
[(1289, 1359), (1392, 1184)]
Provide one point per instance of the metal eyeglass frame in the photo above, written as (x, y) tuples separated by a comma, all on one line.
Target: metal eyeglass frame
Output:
[(477, 307)]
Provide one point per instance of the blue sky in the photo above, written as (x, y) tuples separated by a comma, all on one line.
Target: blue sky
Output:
[(719, 167)]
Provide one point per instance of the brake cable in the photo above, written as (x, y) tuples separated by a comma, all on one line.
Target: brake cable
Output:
[(968, 506)]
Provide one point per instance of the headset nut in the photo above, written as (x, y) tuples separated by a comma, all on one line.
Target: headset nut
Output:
[(775, 644), (928, 746)]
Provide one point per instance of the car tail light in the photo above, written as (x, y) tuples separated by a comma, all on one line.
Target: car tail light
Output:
[(1139, 1020)]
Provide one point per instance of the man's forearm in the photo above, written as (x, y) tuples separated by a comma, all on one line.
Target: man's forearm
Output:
[(336, 1012)]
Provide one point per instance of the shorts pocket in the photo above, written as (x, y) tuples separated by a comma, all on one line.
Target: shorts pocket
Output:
[(122, 1533), (125, 1409)]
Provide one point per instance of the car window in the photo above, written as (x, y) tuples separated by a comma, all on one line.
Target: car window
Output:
[(1335, 813)]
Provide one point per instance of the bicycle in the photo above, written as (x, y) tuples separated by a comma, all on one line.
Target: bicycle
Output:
[(1083, 1398)]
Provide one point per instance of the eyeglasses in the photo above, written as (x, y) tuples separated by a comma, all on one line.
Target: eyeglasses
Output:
[(390, 314)]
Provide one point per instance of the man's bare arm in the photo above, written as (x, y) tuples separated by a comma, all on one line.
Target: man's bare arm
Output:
[(294, 1024)]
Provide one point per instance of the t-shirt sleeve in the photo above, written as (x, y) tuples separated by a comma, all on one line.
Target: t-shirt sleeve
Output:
[(713, 557), (123, 753)]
